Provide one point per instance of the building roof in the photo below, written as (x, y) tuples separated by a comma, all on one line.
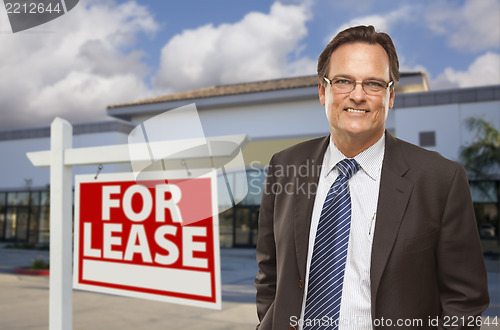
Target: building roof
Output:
[(407, 78), (78, 129), (449, 96)]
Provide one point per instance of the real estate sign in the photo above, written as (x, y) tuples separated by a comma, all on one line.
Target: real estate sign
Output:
[(155, 239)]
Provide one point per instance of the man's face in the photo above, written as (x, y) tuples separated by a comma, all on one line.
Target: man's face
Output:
[(360, 62)]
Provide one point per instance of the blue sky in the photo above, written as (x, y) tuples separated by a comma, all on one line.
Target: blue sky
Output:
[(110, 51)]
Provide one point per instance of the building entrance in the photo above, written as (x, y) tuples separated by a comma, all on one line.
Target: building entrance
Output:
[(245, 226)]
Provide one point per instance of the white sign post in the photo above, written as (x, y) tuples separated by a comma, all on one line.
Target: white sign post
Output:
[(61, 158), (60, 295)]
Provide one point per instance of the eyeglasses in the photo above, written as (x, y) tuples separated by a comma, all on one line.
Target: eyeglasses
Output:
[(371, 87)]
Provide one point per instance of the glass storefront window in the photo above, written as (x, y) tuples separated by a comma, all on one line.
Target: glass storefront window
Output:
[(2, 222), (18, 198), (35, 198), (487, 217), (245, 225), (24, 198), (19, 215), (256, 181), (225, 201), (240, 185), (238, 224), (484, 191), (245, 185), (44, 225), (226, 228), (22, 218), (44, 198), (10, 224), (12, 198), (485, 196), (33, 224), (3, 196)]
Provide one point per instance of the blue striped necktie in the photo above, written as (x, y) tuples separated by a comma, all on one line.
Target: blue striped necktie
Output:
[(326, 273)]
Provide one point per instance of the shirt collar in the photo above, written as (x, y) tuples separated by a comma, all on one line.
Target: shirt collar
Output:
[(370, 160)]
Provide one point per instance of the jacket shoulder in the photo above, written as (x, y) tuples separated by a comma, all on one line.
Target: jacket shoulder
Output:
[(422, 158), (310, 148)]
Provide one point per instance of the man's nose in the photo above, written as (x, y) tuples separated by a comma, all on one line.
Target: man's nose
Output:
[(358, 94)]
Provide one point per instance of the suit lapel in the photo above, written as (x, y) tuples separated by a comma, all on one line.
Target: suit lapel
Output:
[(394, 195), (303, 202)]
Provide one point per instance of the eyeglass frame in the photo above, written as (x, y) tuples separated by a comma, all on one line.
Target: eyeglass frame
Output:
[(330, 81)]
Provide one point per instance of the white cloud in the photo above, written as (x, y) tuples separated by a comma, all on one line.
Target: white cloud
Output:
[(485, 70), (86, 95), (382, 23), (301, 67), (406, 65), (412, 68), (73, 66), (256, 48), (473, 27)]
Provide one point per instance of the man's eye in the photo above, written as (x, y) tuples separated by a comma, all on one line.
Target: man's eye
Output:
[(374, 84), (343, 82)]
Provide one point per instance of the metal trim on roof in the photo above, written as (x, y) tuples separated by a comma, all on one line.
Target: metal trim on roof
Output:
[(293, 94), (251, 88), (78, 129), (452, 96)]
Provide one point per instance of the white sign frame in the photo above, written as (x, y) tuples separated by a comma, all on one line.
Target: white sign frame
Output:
[(61, 158), (143, 272)]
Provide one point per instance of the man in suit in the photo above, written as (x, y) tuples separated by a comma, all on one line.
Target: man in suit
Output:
[(413, 258)]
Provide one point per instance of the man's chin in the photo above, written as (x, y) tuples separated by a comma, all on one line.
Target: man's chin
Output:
[(358, 133)]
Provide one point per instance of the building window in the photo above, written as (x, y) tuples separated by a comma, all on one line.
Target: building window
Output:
[(238, 223), (485, 195), (427, 139), (24, 217)]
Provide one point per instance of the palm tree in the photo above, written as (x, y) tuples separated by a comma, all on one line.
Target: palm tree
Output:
[(482, 157)]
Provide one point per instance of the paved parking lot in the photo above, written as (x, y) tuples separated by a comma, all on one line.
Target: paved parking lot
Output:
[(25, 299), (24, 303)]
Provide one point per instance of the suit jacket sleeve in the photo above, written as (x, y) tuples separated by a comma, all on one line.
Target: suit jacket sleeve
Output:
[(462, 275), (265, 281)]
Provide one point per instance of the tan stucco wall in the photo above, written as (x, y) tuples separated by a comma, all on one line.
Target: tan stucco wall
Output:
[(259, 153)]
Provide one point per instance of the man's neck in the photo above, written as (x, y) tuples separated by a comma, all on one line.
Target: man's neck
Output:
[(351, 146)]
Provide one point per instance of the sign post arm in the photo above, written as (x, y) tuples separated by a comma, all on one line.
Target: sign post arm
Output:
[(61, 182)]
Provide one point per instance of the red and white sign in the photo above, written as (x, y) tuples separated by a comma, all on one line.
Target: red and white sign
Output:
[(155, 239)]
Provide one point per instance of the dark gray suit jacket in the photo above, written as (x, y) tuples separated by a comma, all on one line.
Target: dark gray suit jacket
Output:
[(426, 256)]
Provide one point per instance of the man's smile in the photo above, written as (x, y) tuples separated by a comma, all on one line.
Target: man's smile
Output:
[(356, 110)]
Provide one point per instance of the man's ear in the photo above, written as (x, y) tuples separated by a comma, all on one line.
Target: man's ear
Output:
[(391, 97), (321, 93)]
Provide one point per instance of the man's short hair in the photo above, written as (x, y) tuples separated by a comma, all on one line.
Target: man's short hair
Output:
[(366, 34)]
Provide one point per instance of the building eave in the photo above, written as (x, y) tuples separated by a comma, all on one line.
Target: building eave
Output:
[(244, 94), (276, 96)]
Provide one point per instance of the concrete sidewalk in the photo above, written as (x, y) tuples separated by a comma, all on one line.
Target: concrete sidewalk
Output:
[(25, 300)]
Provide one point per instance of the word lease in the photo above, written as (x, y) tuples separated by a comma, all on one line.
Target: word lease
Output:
[(133, 239)]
